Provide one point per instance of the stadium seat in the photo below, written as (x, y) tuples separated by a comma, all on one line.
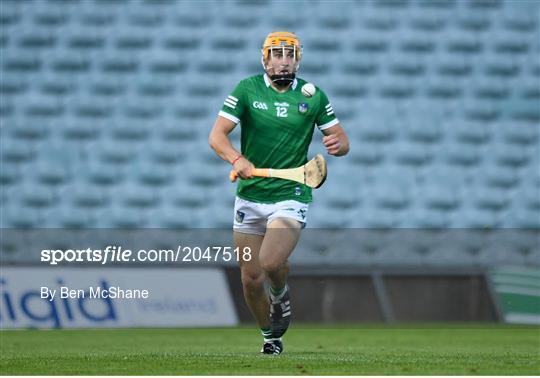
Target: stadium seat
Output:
[(127, 129), (410, 153), (391, 192), (84, 196), (16, 216), (473, 23), (507, 154), (27, 63), (439, 196), (525, 110), (437, 4), (366, 154), (488, 89), (374, 127), (510, 44), (483, 5), (415, 43), (427, 218), (10, 174), (157, 154), (443, 88), (451, 65), (41, 106), (134, 41), (27, 195), (333, 195), (14, 85), (50, 173), (463, 42), (522, 218), (206, 174), (518, 19), (103, 174), (91, 107), (120, 217), (28, 129), (469, 132), (153, 175), (106, 108), (166, 216), (105, 85), (59, 86), (330, 219), (463, 155), (424, 130), (475, 218), (116, 152), (371, 217), (135, 196), (487, 198), (155, 87), (73, 129), (117, 63), (496, 176), (183, 196), (527, 197), (171, 129), (17, 152), (66, 216), (447, 175)]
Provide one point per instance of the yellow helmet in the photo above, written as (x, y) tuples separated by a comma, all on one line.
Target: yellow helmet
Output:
[(282, 39)]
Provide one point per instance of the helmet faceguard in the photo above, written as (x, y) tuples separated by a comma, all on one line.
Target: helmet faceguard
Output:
[(284, 45)]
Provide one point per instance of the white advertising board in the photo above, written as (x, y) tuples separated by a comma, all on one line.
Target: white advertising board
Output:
[(32, 297)]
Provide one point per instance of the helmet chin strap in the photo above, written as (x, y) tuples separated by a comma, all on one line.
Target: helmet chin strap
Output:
[(283, 80)]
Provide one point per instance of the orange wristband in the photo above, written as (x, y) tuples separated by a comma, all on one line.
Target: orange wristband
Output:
[(236, 159)]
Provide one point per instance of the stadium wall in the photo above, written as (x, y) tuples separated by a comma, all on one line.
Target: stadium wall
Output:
[(385, 296)]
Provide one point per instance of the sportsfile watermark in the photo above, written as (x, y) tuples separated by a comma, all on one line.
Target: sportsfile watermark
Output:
[(323, 247), (118, 254)]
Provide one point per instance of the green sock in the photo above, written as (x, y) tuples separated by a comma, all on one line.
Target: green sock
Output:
[(266, 333), (276, 293)]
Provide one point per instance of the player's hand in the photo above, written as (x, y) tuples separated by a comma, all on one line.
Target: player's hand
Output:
[(331, 143), (243, 168)]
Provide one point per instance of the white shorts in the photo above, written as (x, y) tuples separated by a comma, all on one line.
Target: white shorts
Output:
[(253, 217)]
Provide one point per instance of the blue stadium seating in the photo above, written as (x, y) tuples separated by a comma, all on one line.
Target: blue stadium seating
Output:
[(106, 108)]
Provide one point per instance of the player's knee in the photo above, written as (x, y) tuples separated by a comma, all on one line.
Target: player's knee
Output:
[(271, 264), (252, 281)]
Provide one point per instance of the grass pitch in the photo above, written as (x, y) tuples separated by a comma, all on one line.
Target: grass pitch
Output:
[(373, 350)]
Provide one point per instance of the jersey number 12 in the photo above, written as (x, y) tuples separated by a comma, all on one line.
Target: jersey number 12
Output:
[(281, 111)]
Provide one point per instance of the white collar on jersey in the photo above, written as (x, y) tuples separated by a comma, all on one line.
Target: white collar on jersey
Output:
[(267, 81)]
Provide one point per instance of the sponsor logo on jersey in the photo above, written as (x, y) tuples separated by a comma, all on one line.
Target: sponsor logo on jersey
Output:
[(298, 191), (302, 107), (281, 104), (239, 216), (260, 105)]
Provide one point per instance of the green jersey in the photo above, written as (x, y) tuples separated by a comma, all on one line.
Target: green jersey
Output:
[(276, 130)]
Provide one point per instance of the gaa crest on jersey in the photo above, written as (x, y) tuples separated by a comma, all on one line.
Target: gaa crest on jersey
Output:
[(302, 107)]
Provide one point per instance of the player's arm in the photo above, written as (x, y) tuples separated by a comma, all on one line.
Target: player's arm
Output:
[(221, 144), (335, 140)]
